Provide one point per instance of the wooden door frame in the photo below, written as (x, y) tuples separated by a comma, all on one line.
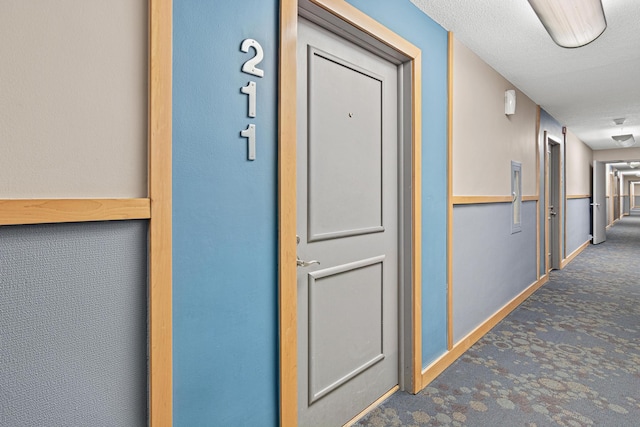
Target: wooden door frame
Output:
[(548, 141), (346, 18)]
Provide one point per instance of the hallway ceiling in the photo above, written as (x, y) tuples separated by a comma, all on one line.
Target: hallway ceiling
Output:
[(584, 88)]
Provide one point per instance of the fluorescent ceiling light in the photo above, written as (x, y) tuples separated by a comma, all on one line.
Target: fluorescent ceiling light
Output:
[(626, 140), (571, 23)]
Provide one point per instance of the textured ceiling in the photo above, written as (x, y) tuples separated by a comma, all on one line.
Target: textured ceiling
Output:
[(584, 88)]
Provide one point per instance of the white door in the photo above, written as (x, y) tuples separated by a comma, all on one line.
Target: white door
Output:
[(347, 220), (599, 202)]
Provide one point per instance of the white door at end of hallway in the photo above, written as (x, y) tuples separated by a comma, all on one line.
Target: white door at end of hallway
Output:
[(599, 203)]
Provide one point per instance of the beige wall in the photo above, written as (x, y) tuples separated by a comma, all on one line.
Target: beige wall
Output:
[(485, 140), (73, 91), (578, 170), (617, 155)]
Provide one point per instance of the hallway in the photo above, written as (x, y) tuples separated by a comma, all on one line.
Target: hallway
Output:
[(568, 356)]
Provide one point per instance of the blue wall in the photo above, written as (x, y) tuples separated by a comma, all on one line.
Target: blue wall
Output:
[(490, 263), (405, 19), (578, 223), (224, 207)]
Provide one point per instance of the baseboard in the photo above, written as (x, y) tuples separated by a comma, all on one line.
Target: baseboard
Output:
[(574, 254), (437, 367), (371, 407)]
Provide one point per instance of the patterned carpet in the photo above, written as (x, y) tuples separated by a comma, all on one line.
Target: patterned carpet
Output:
[(568, 356)]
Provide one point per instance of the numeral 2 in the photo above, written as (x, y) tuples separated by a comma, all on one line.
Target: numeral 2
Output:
[(250, 66)]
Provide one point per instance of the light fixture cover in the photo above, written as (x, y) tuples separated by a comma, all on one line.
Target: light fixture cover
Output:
[(626, 140), (509, 102), (571, 23)]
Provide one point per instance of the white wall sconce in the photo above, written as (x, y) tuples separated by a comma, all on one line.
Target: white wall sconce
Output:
[(571, 23), (509, 102)]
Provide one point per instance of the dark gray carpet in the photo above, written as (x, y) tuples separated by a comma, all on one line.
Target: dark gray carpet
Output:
[(568, 356)]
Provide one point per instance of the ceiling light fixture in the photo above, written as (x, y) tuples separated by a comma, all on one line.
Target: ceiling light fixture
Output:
[(623, 140), (571, 23), (634, 165), (626, 140)]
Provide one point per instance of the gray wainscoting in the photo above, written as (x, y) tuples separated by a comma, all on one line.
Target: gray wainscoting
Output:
[(578, 223), (73, 324), (626, 202), (491, 266)]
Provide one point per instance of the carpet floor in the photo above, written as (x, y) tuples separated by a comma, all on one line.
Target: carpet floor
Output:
[(568, 356)]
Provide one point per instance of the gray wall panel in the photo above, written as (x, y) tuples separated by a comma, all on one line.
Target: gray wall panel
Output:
[(578, 223), (490, 265), (626, 204), (73, 324)]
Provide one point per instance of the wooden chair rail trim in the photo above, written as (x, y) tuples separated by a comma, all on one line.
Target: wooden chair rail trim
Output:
[(46, 211)]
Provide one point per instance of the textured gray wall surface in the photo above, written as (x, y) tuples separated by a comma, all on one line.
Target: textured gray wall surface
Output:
[(491, 266), (73, 324), (637, 201), (626, 204), (578, 223)]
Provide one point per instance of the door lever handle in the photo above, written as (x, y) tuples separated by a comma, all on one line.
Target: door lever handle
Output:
[(302, 263)]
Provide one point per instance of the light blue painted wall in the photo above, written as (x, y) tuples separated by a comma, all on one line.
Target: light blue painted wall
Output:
[(225, 239), (554, 129), (578, 223), (491, 266), (224, 207), (409, 22)]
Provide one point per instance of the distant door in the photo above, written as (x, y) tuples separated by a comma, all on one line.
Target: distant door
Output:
[(599, 203), (555, 204), (347, 223)]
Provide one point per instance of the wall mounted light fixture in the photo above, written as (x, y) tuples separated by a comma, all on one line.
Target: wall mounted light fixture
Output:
[(510, 102), (571, 23)]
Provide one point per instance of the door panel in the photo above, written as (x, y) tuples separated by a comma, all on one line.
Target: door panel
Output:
[(347, 219), (335, 324), (336, 209), (599, 204)]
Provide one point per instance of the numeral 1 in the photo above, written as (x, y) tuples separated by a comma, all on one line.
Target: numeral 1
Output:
[(250, 134), (250, 90)]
